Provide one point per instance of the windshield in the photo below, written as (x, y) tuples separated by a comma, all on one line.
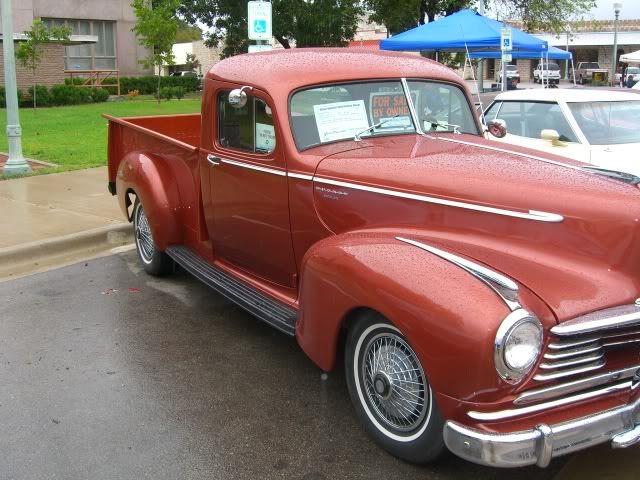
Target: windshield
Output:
[(550, 66), (337, 112), (512, 67), (608, 123), (591, 65)]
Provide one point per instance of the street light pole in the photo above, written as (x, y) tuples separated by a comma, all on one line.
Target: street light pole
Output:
[(566, 62), (16, 164), (614, 59)]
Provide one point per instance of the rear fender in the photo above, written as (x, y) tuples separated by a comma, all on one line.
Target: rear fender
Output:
[(449, 317), (150, 179)]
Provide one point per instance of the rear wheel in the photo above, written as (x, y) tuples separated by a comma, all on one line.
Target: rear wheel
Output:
[(390, 391), (153, 260)]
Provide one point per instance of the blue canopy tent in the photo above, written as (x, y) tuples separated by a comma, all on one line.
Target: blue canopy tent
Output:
[(553, 54), (465, 30)]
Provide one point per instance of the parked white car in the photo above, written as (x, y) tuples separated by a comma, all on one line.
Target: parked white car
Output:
[(512, 72), (600, 127)]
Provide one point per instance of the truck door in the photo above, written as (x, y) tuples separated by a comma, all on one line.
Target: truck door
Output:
[(248, 214)]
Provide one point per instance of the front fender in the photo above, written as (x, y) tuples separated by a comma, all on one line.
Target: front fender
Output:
[(449, 317), (150, 178)]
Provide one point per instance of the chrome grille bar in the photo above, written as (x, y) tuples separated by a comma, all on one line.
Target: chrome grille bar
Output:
[(542, 377), (546, 393), (571, 362), (588, 348)]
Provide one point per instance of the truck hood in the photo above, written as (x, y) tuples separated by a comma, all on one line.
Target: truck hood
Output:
[(569, 236)]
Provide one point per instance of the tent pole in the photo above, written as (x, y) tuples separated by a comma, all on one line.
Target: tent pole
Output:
[(573, 68)]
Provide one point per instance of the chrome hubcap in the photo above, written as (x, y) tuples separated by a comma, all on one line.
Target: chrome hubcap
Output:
[(144, 239), (394, 382)]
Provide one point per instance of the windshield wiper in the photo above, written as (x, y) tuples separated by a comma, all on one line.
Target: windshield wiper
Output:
[(373, 127), (615, 174), (435, 124)]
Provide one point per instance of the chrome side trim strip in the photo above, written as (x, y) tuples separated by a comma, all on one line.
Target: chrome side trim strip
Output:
[(541, 377), (530, 215), (517, 412), (300, 176), (610, 318), (571, 362), (504, 287), (546, 393), (251, 166)]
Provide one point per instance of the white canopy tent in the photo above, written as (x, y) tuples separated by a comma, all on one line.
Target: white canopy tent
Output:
[(633, 57)]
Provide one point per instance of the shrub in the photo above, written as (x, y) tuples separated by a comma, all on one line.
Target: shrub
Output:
[(68, 95), (148, 85), (43, 97), (3, 98), (178, 92), (166, 93), (99, 94)]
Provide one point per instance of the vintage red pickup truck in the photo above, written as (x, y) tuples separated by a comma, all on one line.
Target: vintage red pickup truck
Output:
[(484, 298)]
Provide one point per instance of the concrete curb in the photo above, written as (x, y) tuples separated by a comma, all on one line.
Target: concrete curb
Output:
[(34, 256)]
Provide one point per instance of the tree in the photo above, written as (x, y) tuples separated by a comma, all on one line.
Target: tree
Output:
[(192, 63), (187, 33), (30, 52), (305, 23), (545, 15), (535, 15), (156, 29)]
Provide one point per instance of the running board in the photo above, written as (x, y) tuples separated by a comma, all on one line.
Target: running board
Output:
[(276, 314)]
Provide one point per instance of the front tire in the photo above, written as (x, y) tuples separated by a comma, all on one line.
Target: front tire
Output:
[(153, 260), (390, 391)]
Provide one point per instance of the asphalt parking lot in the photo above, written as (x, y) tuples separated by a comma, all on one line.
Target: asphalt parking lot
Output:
[(107, 373)]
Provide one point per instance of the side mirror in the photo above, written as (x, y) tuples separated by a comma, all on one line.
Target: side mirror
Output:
[(497, 128), (553, 136), (238, 97)]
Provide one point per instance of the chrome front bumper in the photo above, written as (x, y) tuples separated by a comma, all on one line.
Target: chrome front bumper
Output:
[(620, 425)]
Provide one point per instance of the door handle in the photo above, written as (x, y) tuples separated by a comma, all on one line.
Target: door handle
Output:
[(213, 160)]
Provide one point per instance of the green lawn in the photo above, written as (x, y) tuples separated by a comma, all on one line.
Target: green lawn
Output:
[(76, 137)]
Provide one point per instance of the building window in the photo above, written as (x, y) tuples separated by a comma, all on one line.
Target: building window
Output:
[(97, 56)]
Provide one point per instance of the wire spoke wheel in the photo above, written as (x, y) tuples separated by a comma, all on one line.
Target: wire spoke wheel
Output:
[(394, 382), (144, 238)]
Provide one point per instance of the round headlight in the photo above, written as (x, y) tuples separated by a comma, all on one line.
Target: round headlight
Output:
[(518, 345)]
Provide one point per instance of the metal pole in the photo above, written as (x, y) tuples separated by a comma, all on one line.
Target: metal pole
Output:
[(16, 164), (566, 62), (614, 59), (480, 82)]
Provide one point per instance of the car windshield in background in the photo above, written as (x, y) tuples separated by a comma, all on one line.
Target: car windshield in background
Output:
[(338, 112), (551, 67), (591, 65), (608, 123), (512, 67)]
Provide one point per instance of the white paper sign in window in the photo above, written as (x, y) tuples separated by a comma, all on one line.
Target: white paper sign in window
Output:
[(340, 120), (265, 137)]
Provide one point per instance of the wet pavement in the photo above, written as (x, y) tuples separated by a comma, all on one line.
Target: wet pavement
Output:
[(107, 373)]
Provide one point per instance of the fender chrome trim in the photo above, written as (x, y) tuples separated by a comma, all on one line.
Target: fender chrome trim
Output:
[(502, 285), (251, 166), (530, 215), (300, 176)]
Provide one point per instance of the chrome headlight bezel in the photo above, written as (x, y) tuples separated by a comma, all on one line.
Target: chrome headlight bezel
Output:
[(508, 326)]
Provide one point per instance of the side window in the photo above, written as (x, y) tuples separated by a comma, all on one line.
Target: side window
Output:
[(249, 128), (540, 116)]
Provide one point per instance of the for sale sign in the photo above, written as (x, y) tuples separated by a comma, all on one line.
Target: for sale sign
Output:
[(390, 108)]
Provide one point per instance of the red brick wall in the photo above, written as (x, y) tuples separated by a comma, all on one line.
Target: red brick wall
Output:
[(49, 72)]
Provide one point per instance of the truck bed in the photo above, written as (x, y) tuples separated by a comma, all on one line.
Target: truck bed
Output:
[(157, 134)]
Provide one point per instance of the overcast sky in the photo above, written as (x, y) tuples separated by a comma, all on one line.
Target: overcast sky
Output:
[(604, 10)]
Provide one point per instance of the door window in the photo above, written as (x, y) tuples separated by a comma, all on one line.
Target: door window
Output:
[(249, 128)]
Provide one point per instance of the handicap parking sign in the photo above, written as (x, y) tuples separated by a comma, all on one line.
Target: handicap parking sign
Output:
[(259, 20), (505, 40)]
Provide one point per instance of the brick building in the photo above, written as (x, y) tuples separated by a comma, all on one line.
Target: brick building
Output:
[(101, 38)]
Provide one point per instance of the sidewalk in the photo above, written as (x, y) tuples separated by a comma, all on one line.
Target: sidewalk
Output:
[(55, 219)]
